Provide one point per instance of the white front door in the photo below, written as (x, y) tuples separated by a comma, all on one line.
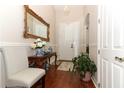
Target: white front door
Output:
[(112, 47), (68, 43)]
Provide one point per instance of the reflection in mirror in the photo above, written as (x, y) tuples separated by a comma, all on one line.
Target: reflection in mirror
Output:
[(35, 26)]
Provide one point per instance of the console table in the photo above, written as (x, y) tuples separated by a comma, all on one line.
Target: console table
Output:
[(39, 61)]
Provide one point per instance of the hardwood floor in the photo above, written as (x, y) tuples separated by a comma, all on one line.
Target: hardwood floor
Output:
[(63, 79)]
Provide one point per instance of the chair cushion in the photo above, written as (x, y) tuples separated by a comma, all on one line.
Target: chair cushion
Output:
[(25, 78)]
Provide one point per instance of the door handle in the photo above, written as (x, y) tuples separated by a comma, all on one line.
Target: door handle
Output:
[(119, 59)]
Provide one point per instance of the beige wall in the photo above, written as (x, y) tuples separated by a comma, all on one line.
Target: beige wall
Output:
[(48, 14), (93, 11), (75, 13), (12, 22)]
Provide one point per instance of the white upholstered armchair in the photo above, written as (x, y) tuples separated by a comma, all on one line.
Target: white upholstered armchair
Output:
[(18, 74)]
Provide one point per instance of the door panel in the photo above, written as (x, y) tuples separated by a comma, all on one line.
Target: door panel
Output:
[(117, 27), (117, 49), (68, 40), (117, 76), (65, 41), (107, 74), (105, 29), (103, 74), (112, 45)]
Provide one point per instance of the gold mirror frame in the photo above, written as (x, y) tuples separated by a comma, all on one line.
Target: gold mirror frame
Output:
[(29, 35)]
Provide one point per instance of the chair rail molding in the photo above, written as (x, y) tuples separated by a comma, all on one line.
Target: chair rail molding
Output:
[(20, 44), (13, 44)]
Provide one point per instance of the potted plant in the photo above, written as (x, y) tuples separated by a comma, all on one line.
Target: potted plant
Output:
[(84, 66)]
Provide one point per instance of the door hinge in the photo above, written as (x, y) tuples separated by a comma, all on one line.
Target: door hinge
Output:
[(98, 51), (99, 85), (98, 21)]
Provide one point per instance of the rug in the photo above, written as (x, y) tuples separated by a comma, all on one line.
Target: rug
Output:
[(65, 66), (57, 63)]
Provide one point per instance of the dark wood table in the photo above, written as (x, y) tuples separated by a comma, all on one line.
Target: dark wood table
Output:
[(39, 61)]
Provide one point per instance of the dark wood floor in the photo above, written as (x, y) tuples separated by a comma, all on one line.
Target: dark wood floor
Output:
[(63, 79)]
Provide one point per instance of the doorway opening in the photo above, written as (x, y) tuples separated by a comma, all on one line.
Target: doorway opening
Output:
[(68, 40), (87, 33)]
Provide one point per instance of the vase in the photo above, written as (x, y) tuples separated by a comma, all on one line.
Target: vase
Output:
[(39, 52), (50, 49), (87, 77)]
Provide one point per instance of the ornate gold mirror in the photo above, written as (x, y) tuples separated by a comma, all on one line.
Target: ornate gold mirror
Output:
[(35, 26)]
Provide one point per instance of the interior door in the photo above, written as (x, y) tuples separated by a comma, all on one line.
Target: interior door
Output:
[(68, 43), (112, 47), (0, 69)]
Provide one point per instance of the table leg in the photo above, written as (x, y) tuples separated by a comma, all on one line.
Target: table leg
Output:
[(55, 59), (49, 60)]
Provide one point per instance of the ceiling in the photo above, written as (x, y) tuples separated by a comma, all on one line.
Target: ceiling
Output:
[(60, 8)]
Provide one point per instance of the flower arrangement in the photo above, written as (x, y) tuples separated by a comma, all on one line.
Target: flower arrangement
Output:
[(40, 47), (38, 44)]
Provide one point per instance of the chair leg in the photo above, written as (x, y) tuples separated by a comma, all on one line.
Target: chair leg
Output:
[(43, 81)]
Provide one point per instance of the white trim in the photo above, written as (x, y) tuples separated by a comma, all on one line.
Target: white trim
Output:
[(90, 45), (53, 45), (19, 44), (94, 82), (13, 44)]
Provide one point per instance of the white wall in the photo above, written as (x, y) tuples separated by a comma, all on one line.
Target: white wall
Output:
[(0, 69), (12, 24), (93, 11)]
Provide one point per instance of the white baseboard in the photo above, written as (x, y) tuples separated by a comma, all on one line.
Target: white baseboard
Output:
[(94, 82)]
